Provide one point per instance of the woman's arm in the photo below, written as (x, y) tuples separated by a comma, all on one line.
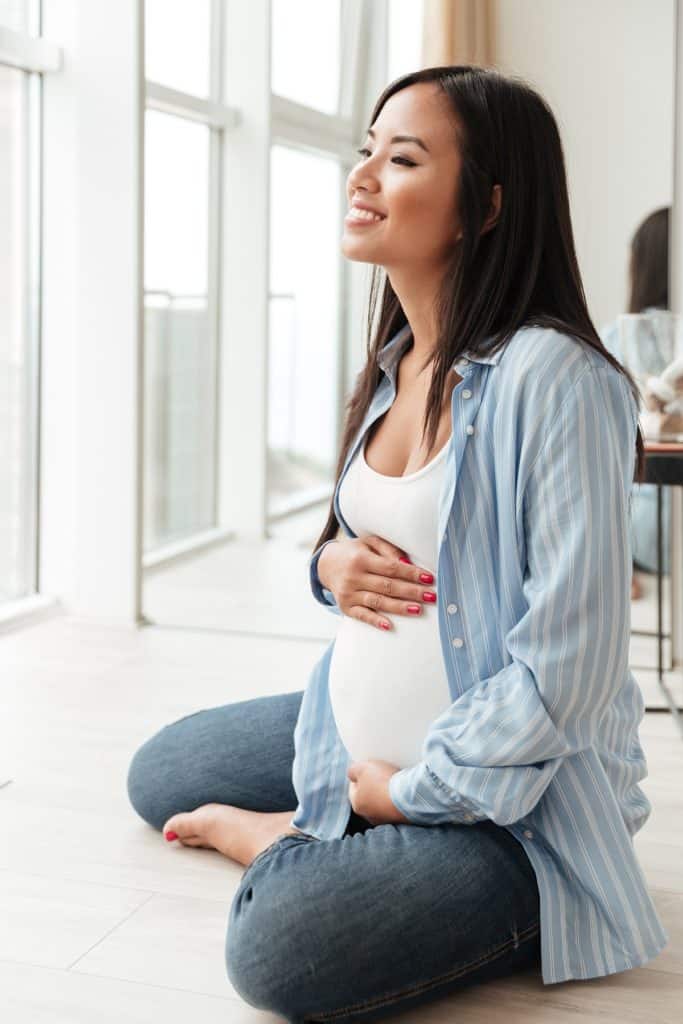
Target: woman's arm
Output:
[(321, 593), (494, 751)]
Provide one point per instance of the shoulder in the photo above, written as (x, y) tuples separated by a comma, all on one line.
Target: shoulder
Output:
[(545, 375), (544, 364), (545, 351)]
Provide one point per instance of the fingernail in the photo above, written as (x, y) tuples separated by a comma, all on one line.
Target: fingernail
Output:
[(171, 836), (384, 625), (426, 577), (408, 562), (428, 596), (414, 609)]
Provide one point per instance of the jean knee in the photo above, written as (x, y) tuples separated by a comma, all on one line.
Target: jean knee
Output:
[(269, 957), (248, 970), (142, 784)]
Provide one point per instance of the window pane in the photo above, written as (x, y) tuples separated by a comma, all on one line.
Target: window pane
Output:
[(305, 52), (304, 307), (179, 346), (177, 44), (405, 37), (14, 14), (18, 345)]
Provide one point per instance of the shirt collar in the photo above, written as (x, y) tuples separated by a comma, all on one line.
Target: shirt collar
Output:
[(391, 353)]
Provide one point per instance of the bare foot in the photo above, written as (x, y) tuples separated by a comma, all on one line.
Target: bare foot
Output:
[(636, 588), (234, 832)]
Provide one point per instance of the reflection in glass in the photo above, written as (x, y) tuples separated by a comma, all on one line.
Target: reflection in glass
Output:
[(305, 53), (177, 44), (304, 306), (180, 357), (649, 342), (18, 340), (646, 341)]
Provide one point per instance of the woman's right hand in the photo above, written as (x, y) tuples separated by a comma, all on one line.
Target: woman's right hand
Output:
[(368, 575)]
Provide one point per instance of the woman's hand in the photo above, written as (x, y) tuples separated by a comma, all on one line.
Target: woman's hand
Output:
[(369, 792), (368, 575)]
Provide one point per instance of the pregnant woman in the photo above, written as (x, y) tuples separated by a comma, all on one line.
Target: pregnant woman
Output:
[(453, 797)]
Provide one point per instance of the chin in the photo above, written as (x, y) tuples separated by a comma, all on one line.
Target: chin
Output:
[(357, 253)]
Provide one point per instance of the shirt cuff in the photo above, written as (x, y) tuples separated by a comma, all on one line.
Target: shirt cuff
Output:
[(321, 593), (425, 800)]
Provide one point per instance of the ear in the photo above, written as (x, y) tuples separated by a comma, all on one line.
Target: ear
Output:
[(494, 208)]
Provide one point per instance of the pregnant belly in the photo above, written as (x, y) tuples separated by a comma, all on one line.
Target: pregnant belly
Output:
[(386, 688)]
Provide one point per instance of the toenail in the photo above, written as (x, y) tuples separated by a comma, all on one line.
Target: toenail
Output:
[(171, 836)]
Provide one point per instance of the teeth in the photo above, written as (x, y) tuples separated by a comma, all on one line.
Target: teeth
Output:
[(355, 211)]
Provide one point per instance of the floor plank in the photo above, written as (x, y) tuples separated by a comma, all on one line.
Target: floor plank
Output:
[(38, 995)]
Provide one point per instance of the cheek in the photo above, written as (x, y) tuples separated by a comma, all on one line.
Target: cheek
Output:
[(424, 205)]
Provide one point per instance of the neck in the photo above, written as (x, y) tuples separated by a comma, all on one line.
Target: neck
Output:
[(417, 298)]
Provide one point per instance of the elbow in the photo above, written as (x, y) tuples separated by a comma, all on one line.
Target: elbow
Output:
[(520, 801)]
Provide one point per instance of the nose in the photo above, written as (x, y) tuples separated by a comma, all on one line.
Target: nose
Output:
[(360, 181)]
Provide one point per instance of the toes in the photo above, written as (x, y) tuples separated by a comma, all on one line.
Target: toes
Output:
[(180, 826), (193, 841)]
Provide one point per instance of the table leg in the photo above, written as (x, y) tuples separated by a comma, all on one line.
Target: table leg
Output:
[(673, 707)]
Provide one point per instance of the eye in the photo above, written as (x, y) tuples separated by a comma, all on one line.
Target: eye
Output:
[(396, 159)]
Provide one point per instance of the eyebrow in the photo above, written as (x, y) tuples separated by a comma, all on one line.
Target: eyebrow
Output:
[(402, 138)]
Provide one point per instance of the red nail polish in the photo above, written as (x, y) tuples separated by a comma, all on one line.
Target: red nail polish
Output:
[(414, 609), (171, 836), (426, 577), (406, 560), (429, 596)]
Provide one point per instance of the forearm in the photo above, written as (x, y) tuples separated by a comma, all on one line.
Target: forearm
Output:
[(323, 564)]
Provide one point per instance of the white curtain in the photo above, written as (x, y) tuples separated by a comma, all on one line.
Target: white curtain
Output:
[(458, 32)]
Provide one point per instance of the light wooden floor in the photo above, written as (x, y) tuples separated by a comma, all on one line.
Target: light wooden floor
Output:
[(102, 921)]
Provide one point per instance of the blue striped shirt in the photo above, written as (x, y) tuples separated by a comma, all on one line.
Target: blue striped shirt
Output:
[(533, 575)]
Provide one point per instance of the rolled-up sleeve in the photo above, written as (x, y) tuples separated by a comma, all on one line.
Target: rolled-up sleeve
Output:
[(495, 750), (321, 593)]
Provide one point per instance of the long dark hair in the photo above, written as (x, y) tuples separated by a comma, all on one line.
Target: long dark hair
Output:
[(650, 263), (522, 272)]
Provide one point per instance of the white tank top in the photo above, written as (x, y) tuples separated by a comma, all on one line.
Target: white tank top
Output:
[(387, 686)]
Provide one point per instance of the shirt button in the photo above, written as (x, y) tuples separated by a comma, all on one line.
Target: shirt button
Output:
[(457, 642), (528, 833), (467, 393), (469, 428), (452, 608)]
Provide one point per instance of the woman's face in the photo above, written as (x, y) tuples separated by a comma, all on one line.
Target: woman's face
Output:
[(414, 187)]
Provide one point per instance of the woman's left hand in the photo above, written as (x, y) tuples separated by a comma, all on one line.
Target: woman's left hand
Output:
[(369, 792)]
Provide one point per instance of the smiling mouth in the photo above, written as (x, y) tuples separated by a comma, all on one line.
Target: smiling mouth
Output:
[(352, 220)]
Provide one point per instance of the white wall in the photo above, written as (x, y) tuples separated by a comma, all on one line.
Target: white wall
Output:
[(606, 69), (92, 302)]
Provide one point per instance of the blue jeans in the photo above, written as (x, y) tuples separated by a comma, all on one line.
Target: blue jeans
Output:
[(385, 918)]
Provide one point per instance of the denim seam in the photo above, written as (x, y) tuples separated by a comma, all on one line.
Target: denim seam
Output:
[(373, 1004)]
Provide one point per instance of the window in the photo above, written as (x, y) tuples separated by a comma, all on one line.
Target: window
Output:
[(404, 49), (304, 309), (180, 256), (179, 353), (305, 53), (316, 83), (177, 40)]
